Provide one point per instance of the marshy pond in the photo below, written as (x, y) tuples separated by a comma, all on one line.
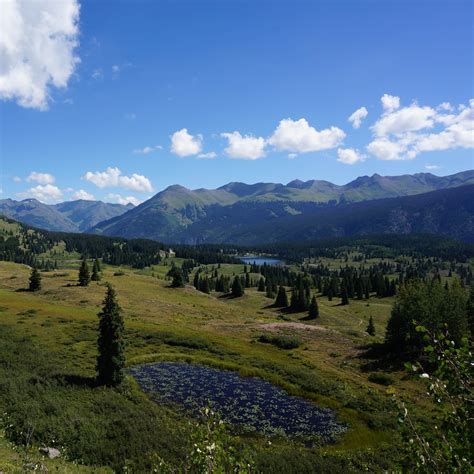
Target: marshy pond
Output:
[(249, 403)]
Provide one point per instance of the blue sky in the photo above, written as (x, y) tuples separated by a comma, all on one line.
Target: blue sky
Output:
[(138, 95)]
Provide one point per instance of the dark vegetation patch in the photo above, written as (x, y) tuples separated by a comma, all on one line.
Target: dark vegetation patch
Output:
[(283, 342), (381, 379)]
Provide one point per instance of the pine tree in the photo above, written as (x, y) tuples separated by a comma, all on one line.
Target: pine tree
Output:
[(344, 297), (261, 284), (371, 328), (96, 271), (282, 298), (178, 279), (84, 275), (237, 288), (313, 311), (111, 358), (35, 280)]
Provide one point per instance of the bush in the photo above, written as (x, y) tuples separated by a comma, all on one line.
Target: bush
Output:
[(283, 342), (381, 379)]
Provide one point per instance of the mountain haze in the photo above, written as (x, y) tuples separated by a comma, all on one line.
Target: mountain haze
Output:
[(69, 216)]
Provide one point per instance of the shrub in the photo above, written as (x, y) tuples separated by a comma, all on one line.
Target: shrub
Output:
[(381, 379), (283, 342)]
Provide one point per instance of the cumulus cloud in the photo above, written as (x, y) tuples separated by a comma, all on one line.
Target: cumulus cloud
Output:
[(356, 118), (407, 119), (41, 178), (297, 136), (124, 200), (16, 179), (185, 144), (208, 156), (390, 102), (405, 133), (47, 194), (245, 147), (37, 49), (349, 156), (147, 149), (112, 177), (84, 195)]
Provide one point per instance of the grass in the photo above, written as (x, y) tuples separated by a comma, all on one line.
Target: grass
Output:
[(183, 324)]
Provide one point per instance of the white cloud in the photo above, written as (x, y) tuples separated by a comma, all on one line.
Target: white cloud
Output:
[(390, 102), (97, 74), (411, 131), (41, 178), (47, 194), (185, 144), (299, 137), (84, 195), (432, 167), (112, 177), (208, 156), (245, 147), (292, 156), (37, 49), (16, 179), (147, 149), (124, 200), (349, 156), (407, 119), (356, 118)]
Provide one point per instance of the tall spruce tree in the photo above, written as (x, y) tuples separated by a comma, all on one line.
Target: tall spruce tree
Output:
[(313, 311), (178, 279), (371, 328), (84, 275), (111, 358), (35, 280), (282, 298), (96, 271), (344, 295), (261, 284), (237, 287)]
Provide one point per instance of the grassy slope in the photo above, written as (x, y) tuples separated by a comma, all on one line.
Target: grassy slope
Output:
[(325, 368)]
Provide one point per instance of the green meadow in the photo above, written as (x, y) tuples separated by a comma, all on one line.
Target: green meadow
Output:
[(53, 333)]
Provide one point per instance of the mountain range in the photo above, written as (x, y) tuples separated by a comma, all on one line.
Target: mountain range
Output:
[(241, 213), (69, 216)]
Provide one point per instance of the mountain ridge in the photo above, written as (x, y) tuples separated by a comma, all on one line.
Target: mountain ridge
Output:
[(168, 214)]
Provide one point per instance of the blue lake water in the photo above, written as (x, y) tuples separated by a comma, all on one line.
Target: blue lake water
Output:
[(250, 403), (260, 260)]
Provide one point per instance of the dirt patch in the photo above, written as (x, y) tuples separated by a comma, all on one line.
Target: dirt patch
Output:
[(290, 325)]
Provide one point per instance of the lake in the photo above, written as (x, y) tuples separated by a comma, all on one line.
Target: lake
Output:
[(259, 260), (250, 403)]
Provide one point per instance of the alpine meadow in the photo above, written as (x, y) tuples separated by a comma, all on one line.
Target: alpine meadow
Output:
[(236, 237)]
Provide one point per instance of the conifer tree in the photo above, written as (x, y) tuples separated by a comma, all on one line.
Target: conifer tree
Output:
[(313, 311), (371, 328), (96, 271), (237, 287), (178, 279), (282, 298), (261, 284), (35, 280), (111, 358), (344, 296), (84, 275)]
